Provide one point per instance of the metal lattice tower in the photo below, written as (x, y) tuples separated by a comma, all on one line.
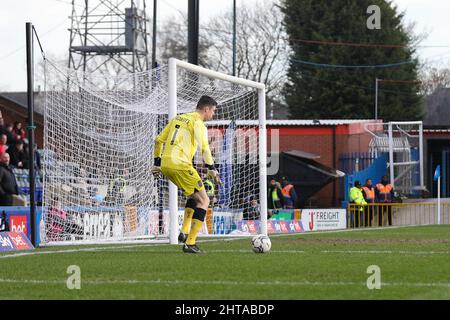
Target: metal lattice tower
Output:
[(108, 35)]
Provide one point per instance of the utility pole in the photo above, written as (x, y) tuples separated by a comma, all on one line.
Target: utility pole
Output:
[(376, 97), (193, 22), (234, 37), (154, 34)]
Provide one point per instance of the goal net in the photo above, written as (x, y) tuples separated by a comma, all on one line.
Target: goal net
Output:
[(403, 144), (99, 142)]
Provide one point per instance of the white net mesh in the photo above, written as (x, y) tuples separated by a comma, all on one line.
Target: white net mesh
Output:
[(99, 151), (406, 152)]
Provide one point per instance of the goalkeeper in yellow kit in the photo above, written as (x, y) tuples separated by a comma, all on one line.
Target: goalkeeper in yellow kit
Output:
[(175, 148)]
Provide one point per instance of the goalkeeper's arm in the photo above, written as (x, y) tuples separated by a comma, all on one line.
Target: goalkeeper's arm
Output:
[(207, 157), (161, 140), (212, 170), (214, 174), (159, 144)]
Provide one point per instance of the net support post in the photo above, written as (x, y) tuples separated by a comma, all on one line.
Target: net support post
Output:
[(421, 163), (391, 155), (30, 96), (262, 158), (439, 201), (173, 190)]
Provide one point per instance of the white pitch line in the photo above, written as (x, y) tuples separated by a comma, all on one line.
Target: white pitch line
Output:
[(310, 252), (225, 283), (384, 252), (125, 249), (33, 253), (112, 248)]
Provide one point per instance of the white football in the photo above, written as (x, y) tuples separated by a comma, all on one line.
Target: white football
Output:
[(261, 243)]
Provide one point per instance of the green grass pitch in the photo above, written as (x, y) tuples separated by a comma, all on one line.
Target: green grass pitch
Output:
[(414, 264)]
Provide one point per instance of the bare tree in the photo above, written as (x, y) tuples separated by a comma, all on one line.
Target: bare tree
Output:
[(435, 78), (173, 41), (262, 48)]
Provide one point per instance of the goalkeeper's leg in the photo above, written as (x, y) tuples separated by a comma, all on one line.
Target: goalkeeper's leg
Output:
[(189, 181), (188, 214), (202, 203)]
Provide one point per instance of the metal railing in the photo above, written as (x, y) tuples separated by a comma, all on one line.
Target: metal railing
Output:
[(396, 214)]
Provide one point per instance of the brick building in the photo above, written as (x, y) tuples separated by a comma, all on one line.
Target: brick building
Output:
[(325, 138)]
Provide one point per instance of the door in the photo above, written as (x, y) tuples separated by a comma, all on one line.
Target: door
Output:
[(445, 174)]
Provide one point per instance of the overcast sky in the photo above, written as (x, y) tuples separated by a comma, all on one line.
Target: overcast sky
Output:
[(50, 18)]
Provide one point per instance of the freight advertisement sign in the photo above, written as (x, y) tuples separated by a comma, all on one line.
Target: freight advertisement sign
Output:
[(324, 219)]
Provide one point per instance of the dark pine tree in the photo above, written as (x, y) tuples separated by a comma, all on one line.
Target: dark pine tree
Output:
[(314, 92)]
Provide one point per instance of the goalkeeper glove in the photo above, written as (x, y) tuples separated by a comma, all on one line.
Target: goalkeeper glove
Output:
[(214, 174), (156, 169)]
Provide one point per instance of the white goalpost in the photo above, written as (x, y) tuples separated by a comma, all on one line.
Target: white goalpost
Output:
[(175, 64), (99, 141)]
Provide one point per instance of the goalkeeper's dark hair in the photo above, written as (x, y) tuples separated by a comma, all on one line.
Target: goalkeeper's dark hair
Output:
[(206, 101)]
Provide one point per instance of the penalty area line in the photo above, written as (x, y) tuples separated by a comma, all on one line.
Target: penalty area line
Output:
[(93, 249), (226, 283)]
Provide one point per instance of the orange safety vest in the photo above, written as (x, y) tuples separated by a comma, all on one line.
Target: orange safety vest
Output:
[(286, 191), (370, 194), (385, 192)]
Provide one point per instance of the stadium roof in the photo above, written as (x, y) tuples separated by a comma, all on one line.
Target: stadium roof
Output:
[(438, 108), (291, 122), (317, 122), (21, 99)]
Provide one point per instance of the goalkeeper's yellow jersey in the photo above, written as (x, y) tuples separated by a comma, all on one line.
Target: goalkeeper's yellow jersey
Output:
[(180, 139)]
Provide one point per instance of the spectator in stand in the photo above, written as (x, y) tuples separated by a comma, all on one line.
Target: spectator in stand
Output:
[(2, 126), (3, 144), (9, 134), (56, 221), (251, 210), (97, 198), (115, 195), (275, 199), (8, 183), (37, 158), (18, 156), (289, 194), (4, 225), (19, 133)]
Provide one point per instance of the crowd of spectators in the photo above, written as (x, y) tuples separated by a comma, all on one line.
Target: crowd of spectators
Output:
[(14, 147), (13, 140), (281, 195)]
